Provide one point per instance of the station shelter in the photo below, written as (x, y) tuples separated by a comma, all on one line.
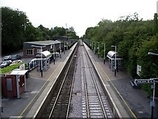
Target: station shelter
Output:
[(43, 60), (14, 84), (32, 64), (111, 60)]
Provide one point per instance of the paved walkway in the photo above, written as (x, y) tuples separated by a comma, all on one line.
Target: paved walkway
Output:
[(135, 98), (15, 107)]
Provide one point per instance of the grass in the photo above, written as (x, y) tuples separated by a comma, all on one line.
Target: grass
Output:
[(9, 68)]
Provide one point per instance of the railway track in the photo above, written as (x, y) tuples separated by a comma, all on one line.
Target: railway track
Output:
[(59, 105), (94, 102)]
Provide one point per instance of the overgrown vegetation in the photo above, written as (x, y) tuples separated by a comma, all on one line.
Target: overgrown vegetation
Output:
[(134, 38), (16, 29)]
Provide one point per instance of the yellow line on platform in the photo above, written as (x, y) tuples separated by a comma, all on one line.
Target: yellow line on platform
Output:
[(117, 92), (38, 92)]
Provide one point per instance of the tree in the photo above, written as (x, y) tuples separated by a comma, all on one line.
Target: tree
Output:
[(13, 25)]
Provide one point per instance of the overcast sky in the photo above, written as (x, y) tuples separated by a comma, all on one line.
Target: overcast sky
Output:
[(80, 14)]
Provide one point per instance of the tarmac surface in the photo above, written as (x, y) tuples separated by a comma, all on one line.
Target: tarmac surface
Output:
[(14, 108), (135, 98)]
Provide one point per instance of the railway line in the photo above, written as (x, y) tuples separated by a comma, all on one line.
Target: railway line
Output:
[(78, 92), (93, 99), (59, 104), (94, 102)]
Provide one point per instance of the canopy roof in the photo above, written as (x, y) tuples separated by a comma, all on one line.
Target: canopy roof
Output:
[(18, 72), (45, 54), (42, 43), (111, 55)]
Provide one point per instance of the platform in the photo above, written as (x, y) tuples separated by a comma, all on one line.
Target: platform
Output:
[(36, 90)]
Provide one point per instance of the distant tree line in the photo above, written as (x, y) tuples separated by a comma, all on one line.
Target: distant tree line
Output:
[(134, 38), (16, 29)]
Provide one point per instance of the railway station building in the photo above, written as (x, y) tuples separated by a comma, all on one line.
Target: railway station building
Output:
[(31, 49)]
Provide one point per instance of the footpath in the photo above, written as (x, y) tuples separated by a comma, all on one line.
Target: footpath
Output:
[(136, 99), (35, 84)]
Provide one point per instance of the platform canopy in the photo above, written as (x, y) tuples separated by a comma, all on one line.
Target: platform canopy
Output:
[(45, 54), (111, 55), (18, 72)]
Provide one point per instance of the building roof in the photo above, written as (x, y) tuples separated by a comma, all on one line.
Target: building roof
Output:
[(18, 72), (48, 42), (111, 55), (44, 54)]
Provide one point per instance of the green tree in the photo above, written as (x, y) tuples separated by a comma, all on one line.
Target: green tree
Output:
[(13, 25)]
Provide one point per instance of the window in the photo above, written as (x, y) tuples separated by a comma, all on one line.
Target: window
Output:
[(30, 52), (39, 50)]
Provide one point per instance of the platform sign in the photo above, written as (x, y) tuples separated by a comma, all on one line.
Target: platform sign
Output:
[(151, 80), (138, 70)]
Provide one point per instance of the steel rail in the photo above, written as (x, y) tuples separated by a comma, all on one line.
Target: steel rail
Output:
[(60, 90), (101, 101), (71, 91), (97, 90), (85, 90)]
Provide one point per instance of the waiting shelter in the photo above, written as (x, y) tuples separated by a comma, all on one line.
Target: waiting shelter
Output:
[(43, 58), (111, 60), (14, 84)]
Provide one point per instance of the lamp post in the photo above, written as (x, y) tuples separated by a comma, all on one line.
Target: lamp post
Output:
[(152, 104), (98, 49), (152, 53), (1, 108), (66, 36), (114, 59), (94, 46), (41, 67), (104, 52), (90, 44), (60, 50), (67, 45), (64, 47)]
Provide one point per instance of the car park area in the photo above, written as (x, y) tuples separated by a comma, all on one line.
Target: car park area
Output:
[(5, 63), (9, 59), (15, 57)]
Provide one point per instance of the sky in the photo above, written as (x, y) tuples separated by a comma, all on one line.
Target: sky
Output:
[(80, 14)]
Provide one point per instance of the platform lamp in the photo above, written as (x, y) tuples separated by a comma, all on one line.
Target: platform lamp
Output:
[(60, 49), (104, 52), (41, 65), (64, 47), (153, 87), (98, 49), (1, 108), (114, 59)]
